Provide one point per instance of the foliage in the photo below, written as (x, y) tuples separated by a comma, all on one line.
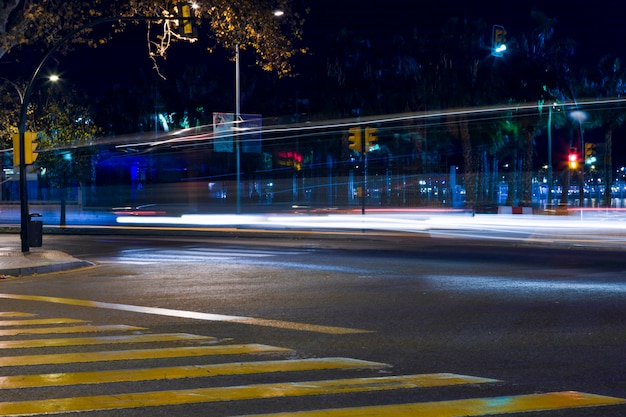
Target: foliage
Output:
[(66, 132), (248, 23), (26, 25)]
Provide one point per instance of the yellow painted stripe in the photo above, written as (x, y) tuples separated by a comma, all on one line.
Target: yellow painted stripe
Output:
[(68, 329), (237, 393), (191, 314), (34, 322), (102, 340), (468, 408), (138, 354), (179, 372), (15, 314)]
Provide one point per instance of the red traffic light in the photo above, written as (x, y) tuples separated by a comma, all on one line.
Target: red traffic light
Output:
[(572, 158)]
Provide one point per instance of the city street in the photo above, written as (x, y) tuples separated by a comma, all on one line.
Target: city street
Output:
[(248, 326), (305, 209)]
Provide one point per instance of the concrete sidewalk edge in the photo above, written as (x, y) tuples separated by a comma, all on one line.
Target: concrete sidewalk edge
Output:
[(15, 263), (44, 269)]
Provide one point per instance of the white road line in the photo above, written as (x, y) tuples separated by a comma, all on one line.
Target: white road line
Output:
[(190, 314)]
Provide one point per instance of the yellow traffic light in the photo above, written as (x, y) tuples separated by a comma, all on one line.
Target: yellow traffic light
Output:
[(355, 140), (371, 138), (590, 153), (187, 26), (29, 143)]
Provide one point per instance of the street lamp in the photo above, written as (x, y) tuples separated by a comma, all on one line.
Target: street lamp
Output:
[(235, 125), (237, 118), (551, 108), (21, 127), (24, 212), (24, 215), (580, 116)]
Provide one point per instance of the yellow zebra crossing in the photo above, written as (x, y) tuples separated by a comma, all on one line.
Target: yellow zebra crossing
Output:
[(206, 347)]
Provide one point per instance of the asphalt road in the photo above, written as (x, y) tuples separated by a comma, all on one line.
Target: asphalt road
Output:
[(527, 321)]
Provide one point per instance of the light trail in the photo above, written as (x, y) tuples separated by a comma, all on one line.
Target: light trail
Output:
[(343, 124), (530, 228)]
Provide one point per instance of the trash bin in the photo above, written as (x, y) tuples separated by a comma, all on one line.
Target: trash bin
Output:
[(35, 231)]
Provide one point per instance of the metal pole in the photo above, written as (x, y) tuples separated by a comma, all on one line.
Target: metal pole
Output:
[(23, 186), (550, 156), (236, 125), (364, 157), (23, 193), (581, 186)]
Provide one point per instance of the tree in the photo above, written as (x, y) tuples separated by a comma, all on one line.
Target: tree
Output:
[(459, 80), (25, 24), (66, 131), (247, 23), (608, 82), (540, 72)]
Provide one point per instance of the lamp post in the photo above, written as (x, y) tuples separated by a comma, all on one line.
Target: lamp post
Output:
[(237, 119), (236, 125), (580, 116), (550, 109), (21, 127), (24, 215)]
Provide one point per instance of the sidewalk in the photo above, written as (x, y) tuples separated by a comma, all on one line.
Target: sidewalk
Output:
[(15, 263)]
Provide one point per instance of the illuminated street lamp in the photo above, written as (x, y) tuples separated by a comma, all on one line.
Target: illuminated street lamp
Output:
[(551, 108), (24, 215), (237, 121), (21, 127), (580, 116)]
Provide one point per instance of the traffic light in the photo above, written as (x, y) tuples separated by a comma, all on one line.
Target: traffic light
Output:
[(29, 144), (572, 158), (590, 153), (186, 24), (355, 140), (498, 40), (371, 138)]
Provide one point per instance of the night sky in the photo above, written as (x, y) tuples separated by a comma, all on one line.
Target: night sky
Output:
[(598, 28)]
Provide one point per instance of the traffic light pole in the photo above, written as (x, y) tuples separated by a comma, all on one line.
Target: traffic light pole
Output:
[(364, 192), (24, 215)]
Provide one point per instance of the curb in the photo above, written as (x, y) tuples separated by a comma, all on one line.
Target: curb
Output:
[(45, 269)]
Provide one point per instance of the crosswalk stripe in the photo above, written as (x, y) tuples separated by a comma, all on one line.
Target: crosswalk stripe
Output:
[(15, 314), (137, 354), (469, 407), (33, 322), (195, 255), (68, 329), (236, 393), (102, 340), (179, 372)]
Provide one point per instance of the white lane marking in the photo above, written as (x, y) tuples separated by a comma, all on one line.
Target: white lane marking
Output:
[(190, 314)]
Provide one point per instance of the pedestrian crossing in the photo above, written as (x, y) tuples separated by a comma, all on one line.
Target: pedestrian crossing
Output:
[(195, 254), (66, 353)]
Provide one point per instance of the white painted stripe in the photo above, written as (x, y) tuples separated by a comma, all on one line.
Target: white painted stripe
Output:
[(190, 314)]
